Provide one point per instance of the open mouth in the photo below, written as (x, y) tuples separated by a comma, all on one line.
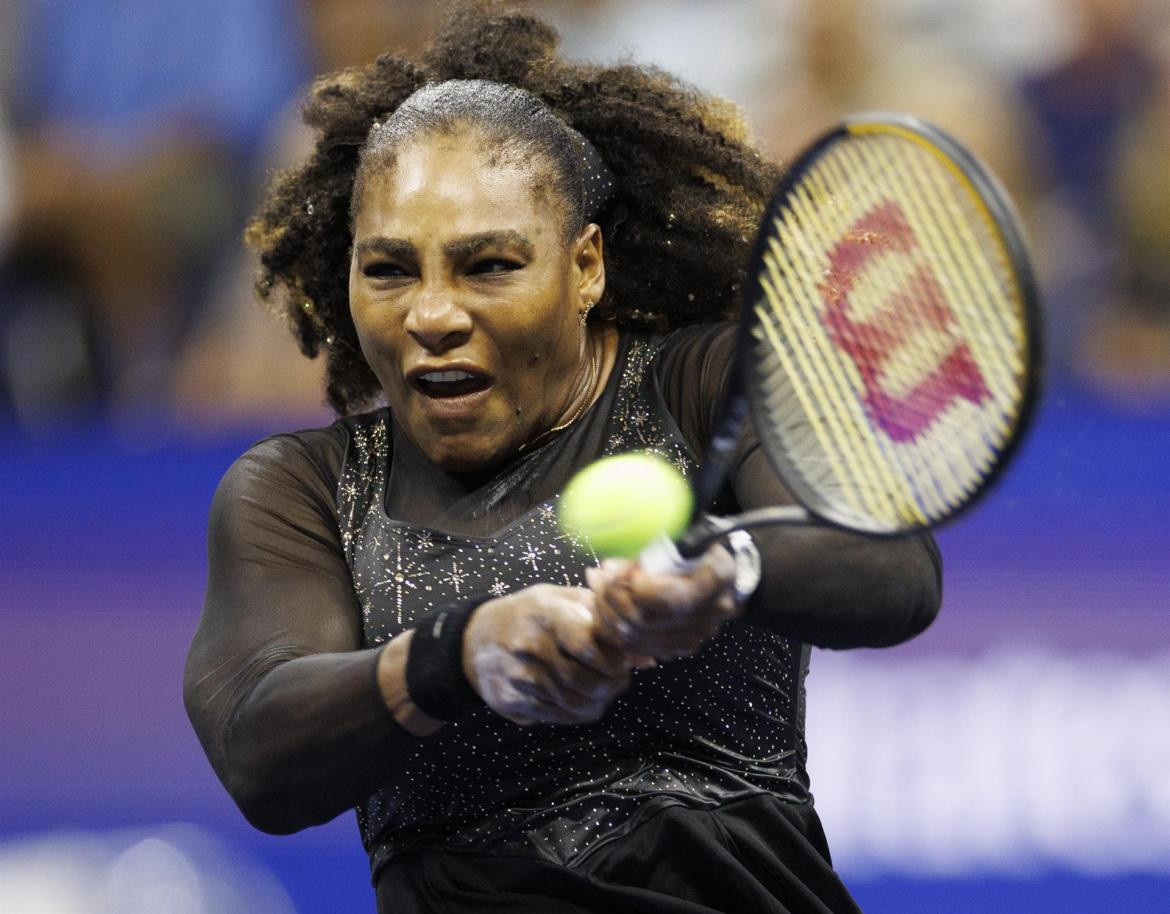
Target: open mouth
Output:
[(451, 383)]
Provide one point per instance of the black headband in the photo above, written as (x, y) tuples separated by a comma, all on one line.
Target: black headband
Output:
[(598, 184)]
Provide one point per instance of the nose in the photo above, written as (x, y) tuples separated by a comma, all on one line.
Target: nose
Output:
[(437, 322)]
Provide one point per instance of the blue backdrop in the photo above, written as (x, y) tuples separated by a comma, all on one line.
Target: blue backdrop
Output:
[(1063, 571)]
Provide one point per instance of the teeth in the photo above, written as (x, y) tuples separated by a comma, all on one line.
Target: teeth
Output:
[(441, 377)]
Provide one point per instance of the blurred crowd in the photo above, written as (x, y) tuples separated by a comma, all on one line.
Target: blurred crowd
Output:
[(136, 137)]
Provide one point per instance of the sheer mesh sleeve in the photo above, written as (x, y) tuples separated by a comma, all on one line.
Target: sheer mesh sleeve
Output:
[(277, 685), (824, 586)]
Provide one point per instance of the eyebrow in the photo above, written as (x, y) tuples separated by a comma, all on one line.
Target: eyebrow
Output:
[(458, 249), (387, 247), (471, 244)]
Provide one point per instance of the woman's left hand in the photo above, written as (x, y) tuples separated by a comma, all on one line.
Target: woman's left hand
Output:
[(664, 616)]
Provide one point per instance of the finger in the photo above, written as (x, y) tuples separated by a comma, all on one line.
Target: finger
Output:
[(582, 596), (661, 600), (720, 604), (716, 572), (567, 683), (508, 684), (617, 567), (596, 657), (661, 597), (545, 650), (596, 579), (621, 622), (529, 713), (721, 560), (519, 699), (636, 607), (587, 664), (619, 618), (545, 702), (577, 679), (727, 606), (675, 642), (604, 584), (600, 645)]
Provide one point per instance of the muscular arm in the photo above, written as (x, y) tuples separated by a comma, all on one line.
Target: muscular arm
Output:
[(277, 685), (820, 585)]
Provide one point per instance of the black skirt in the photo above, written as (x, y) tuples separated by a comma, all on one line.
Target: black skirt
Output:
[(758, 855)]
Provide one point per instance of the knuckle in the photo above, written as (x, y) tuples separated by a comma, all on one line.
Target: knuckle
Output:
[(543, 592), (523, 682)]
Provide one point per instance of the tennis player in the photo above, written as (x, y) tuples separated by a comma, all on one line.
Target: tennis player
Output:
[(528, 261)]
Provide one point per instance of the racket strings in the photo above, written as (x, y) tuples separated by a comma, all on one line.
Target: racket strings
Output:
[(790, 257), (928, 346), (891, 341), (872, 490), (868, 327), (804, 236), (962, 259), (974, 262)]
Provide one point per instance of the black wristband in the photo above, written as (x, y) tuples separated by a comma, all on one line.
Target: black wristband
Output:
[(434, 664)]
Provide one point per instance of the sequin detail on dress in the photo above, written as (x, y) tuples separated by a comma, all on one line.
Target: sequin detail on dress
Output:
[(697, 732)]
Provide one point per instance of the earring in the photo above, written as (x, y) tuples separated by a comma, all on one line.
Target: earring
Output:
[(585, 314)]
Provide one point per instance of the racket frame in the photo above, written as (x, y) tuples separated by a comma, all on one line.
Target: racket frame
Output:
[(742, 397)]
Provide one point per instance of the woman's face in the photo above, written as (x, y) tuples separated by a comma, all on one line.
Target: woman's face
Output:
[(466, 298)]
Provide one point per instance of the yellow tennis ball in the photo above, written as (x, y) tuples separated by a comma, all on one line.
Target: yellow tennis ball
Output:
[(619, 504)]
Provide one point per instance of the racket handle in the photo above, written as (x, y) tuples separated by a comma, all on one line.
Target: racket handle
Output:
[(662, 557)]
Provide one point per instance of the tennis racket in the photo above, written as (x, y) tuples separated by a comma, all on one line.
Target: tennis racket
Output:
[(889, 341)]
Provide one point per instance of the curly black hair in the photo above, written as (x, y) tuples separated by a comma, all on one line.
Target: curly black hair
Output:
[(691, 183)]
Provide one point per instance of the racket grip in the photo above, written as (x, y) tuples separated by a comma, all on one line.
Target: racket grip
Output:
[(662, 557)]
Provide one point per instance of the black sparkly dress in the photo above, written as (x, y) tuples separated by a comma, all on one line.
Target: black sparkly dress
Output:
[(689, 795), (698, 733)]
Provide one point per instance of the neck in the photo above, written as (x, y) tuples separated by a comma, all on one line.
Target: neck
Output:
[(585, 389), (599, 350)]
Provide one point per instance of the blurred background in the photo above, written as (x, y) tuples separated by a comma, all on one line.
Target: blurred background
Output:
[(1014, 758)]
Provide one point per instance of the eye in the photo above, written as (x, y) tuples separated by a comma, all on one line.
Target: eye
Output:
[(383, 270), (494, 265)]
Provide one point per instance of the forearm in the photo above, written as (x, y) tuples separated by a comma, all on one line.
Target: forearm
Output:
[(840, 590), (315, 735)]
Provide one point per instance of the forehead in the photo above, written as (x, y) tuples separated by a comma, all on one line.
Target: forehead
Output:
[(457, 184)]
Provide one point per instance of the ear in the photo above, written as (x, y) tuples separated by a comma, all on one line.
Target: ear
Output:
[(589, 266)]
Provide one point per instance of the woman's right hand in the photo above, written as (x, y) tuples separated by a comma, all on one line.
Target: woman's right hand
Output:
[(533, 657)]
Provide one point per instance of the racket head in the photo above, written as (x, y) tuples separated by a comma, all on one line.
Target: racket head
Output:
[(889, 337)]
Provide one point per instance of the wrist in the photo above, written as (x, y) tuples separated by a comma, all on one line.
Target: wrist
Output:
[(435, 673), (390, 677)]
